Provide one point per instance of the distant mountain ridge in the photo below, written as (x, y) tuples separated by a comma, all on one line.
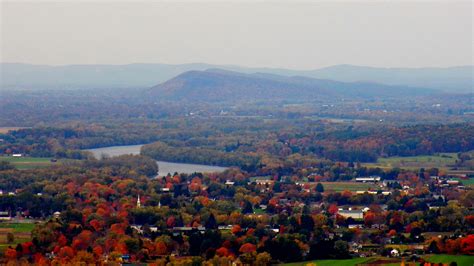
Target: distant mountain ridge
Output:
[(217, 85), (17, 76)]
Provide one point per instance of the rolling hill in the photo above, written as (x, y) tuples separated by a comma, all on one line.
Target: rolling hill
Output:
[(221, 85), (26, 76)]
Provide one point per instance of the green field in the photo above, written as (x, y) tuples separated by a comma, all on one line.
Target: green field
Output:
[(441, 160), (349, 262), (466, 182), (27, 162), (21, 232), (18, 227), (462, 260)]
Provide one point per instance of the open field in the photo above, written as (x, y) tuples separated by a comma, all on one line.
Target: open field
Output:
[(4, 130), (461, 260), (441, 160), (350, 186), (27, 162), (21, 232), (18, 227), (349, 262), (466, 182)]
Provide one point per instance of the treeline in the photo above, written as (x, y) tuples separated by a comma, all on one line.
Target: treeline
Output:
[(243, 142), (200, 155)]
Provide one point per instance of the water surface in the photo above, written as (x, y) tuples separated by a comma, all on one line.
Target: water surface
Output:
[(164, 167)]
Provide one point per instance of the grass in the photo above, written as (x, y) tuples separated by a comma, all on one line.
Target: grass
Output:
[(27, 162), (21, 232), (18, 227), (350, 186), (348, 262), (462, 260), (259, 211), (466, 182), (441, 160)]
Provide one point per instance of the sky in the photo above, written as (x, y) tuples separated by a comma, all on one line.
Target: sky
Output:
[(296, 34)]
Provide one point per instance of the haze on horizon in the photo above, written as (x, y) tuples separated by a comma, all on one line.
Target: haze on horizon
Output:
[(301, 35)]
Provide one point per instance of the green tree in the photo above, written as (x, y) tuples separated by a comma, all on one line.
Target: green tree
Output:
[(10, 238), (320, 188)]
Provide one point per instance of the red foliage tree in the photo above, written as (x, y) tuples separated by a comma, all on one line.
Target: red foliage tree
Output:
[(247, 248), (222, 252), (161, 248), (333, 209), (11, 254), (236, 229), (66, 252), (467, 245)]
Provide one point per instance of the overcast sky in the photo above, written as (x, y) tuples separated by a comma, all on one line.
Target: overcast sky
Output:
[(301, 35)]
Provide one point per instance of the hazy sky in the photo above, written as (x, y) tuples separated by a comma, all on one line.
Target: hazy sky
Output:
[(300, 35)]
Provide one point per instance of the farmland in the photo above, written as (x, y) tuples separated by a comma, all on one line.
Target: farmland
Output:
[(461, 260), (20, 231), (441, 160), (27, 162), (348, 262)]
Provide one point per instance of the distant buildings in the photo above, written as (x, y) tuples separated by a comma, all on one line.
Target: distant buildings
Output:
[(371, 179), (5, 216)]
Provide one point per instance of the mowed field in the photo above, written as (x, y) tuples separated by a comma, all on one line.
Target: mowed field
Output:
[(21, 232), (466, 182), (27, 162), (347, 262), (441, 160), (461, 260)]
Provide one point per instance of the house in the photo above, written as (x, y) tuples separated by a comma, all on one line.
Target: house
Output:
[(264, 182), (225, 227), (230, 183), (188, 228), (5, 216), (452, 182), (373, 192), (17, 155), (394, 253), (137, 228), (371, 179), (353, 226)]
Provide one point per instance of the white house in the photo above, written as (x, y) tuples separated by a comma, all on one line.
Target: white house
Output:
[(394, 253)]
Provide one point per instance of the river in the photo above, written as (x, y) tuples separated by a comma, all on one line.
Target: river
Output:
[(164, 167)]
